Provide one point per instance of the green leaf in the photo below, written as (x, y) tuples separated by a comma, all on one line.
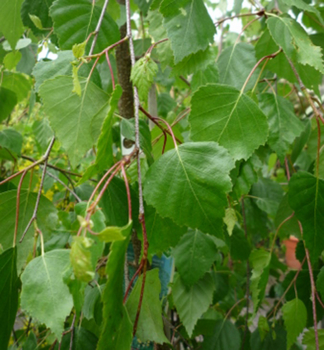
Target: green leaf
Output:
[(11, 140), (39, 9), (54, 302), (320, 282), (36, 20), (260, 260), (194, 255), (194, 63), (291, 226), (263, 327), (294, 314), (74, 20), (191, 302), (80, 257), (115, 233), (306, 199), (284, 126), (181, 24), (275, 339), (10, 21), (45, 70), (104, 156), (116, 331), (232, 71), (280, 65), (158, 32), (27, 62), (11, 59), (305, 7), (43, 133), (178, 172), (76, 287), (19, 83), (162, 233), (79, 49), (239, 246), (165, 104), (208, 75), (143, 5), (127, 129), (309, 339), (230, 220), (9, 284), (114, 203), (8, 100), (225, 336), (70, 115), (150, 324), (76, 82), (142, 75), (82, 339), (269, 195), (246, 177), (230, 118), (46, 221), (295, 42)]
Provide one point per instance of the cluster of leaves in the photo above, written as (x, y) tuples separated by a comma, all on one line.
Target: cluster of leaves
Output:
[(230, 161)]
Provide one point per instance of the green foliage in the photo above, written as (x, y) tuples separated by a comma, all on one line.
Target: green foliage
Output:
[(45, 274), (226, 113), (150, 325), (8, 293), (143, 74), (177, 172), (191, 302), (295, 317), (119, 232)]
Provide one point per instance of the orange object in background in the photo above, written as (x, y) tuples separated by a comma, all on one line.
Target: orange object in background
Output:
[(291, 259)]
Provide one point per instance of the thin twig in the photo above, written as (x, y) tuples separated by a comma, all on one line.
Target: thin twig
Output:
[(18, 205), (259, 13), (274, 310), (63, 171), (313, 288), (257, 65), (103, 11), (72, 332), (64, 185), (155, 121), (34, 217)]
